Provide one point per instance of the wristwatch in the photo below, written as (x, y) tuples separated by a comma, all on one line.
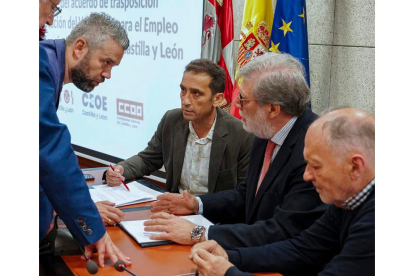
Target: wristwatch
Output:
[(197, 233)]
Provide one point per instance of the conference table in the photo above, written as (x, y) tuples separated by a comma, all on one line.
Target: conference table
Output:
[(168, 260)]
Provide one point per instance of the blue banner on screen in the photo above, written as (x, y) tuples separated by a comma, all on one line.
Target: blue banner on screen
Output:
[(120, 116)]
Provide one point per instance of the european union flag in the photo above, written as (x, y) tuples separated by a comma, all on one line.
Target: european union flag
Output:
[(290, 31)]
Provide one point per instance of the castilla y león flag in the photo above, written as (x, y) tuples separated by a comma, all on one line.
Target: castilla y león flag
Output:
[(254, 38), (217, 40)]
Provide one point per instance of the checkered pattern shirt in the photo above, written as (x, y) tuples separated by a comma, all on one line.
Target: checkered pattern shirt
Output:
[(356, 200)]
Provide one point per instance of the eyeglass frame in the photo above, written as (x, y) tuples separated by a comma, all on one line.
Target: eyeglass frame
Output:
[(56, 10), (240, 97)]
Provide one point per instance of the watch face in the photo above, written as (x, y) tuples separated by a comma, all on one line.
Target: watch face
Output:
[(197, 232)]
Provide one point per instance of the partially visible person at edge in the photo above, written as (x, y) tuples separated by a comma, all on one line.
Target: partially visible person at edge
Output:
[(85, 73), (62, 186)]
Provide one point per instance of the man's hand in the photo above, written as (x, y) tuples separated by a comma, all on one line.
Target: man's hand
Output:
[(177, 229), (210, 246), (113, 177), (109, 214), (105, 246), (209, 264), (179, 204)]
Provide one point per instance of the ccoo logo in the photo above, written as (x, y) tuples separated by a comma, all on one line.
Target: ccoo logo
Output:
[(130, 109)]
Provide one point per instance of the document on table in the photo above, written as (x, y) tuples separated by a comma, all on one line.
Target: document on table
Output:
[(135, 228), (121, 196)]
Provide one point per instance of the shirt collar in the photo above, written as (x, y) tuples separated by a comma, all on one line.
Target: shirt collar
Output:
[(281, 135), (209, 134), (356, 200)]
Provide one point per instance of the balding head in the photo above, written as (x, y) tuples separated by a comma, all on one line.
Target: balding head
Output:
[(340, 150), (349, 129)]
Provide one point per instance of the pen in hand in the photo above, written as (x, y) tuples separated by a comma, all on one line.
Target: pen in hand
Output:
[(120, 178)]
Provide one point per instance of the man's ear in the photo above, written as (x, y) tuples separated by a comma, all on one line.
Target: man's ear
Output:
[(217, 99), (274, 110), (358, 166), (80, 49)]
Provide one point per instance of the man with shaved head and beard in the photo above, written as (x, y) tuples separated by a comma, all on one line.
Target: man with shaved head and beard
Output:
[(340, 151)]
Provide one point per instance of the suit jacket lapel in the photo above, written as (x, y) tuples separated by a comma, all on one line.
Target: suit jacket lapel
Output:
[(256, 161), (218, 147), (181, 132), (274, 169)]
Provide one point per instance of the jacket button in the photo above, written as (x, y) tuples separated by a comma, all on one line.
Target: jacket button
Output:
[(80, 218), (88, 232), (82, 223)]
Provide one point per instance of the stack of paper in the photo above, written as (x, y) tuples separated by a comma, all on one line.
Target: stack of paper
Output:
[(135, 229), (121, 196)]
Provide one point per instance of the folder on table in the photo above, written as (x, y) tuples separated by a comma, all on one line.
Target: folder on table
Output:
[(135, 229), (137, 193)]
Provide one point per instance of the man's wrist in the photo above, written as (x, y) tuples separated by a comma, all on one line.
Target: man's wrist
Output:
[(199, 208), (203, 237), (197, 233)]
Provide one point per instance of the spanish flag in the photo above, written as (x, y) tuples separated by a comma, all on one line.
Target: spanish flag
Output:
[(254, 38), (217, 42)]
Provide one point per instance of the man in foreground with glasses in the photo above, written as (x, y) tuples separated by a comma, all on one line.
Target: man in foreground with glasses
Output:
[(274, 202)]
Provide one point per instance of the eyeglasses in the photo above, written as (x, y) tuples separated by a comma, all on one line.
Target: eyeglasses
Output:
[(241, 99), (56, 10)]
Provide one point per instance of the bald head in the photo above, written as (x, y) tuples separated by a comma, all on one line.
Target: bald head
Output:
[(348, 129), (340, 151)]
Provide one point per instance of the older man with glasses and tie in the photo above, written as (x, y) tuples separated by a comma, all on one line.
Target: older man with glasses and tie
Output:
[(48, 9), (274, 202)]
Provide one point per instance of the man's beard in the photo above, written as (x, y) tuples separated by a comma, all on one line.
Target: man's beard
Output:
[(79, 75), (258, 125)]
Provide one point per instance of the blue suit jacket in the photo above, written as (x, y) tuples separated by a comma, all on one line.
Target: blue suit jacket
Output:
[(56, 51), (62, 186)]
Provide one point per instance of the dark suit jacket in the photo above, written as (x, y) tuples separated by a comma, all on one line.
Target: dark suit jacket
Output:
[(62, 186), (342, 241), (229, 157), (284, 206)]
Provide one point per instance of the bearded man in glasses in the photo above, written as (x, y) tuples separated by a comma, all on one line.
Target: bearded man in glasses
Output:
[(274, 202)]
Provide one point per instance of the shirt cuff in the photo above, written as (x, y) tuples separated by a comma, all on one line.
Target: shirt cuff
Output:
[(200, 206), (206, 232)]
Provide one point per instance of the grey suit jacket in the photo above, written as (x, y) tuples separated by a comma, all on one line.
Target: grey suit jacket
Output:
[(229, 157)]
